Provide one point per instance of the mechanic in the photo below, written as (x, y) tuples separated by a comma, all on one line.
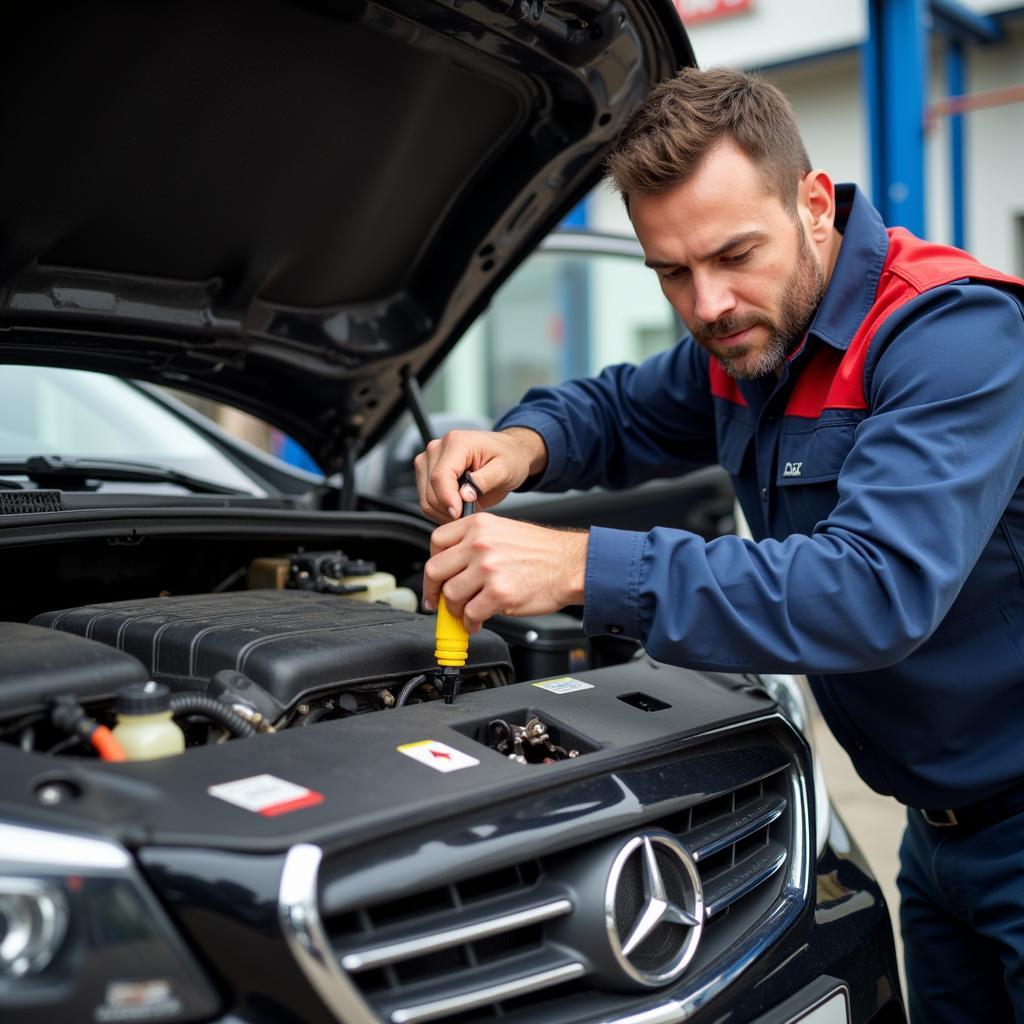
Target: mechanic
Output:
[(865, 389)]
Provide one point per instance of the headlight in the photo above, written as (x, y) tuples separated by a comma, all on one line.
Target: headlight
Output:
[(33, 924), (788, 694), (82, 937)]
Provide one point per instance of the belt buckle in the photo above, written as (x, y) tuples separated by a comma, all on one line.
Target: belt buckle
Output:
[(950, 816)]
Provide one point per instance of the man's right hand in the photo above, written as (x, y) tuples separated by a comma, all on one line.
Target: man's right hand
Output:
[(499, 461)]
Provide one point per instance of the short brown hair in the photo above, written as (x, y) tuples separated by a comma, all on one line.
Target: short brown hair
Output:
[(687, 115)]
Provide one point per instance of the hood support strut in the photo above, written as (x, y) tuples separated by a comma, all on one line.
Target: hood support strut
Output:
[(414, 399)]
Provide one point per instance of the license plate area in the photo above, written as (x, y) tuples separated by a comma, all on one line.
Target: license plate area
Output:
[(833, 1010), (825, 1001)]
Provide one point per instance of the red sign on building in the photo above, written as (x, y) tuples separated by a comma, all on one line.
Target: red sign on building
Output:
[(695, 11)]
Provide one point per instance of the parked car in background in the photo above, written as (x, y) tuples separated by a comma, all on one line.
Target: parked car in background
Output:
[(231, 790)]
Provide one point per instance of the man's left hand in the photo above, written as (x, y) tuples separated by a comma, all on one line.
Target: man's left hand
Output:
[(487, 565)]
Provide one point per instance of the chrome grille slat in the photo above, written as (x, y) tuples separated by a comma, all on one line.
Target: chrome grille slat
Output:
[(716, 835), (483, 997), (484, 926), (475, 988), (728, 886), (303, 931)]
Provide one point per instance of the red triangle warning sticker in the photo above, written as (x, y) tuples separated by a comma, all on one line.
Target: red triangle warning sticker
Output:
[(437, 755)]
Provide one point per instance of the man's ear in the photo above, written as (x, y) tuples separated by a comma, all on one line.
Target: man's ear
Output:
[(817, 204)]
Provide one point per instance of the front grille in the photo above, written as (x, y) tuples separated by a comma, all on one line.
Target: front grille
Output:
[(456, 946), (493, 944), (738, 840)]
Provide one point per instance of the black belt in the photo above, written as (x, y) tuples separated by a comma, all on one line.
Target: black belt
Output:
[(974, 817)]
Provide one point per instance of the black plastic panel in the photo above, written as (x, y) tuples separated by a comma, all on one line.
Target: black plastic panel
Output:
[(373, 792), (36, 666)]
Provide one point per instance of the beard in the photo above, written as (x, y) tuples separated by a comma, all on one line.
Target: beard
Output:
[(801, 296)]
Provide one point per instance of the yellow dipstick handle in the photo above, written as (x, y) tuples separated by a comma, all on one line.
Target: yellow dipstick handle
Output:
[(451, 638)]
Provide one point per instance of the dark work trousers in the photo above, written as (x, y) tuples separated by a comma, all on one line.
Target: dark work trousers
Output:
[(962, 918)]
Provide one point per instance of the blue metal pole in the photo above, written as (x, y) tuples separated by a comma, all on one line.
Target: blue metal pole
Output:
[(964, 23), (895, 68), (955, 86), (871, 76)]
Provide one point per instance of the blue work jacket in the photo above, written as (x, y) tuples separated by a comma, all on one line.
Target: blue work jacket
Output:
[(881, 478)]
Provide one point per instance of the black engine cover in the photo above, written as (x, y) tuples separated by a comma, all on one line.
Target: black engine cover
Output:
[(36, 667), (292, 643)]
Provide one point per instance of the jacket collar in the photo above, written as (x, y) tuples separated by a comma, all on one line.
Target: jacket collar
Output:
[(854, 283)]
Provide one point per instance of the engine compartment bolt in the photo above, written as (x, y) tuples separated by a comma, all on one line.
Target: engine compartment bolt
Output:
[(57, 791)]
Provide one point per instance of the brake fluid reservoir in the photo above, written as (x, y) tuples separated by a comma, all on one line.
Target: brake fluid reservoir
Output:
[(145, 728), (380, 586)]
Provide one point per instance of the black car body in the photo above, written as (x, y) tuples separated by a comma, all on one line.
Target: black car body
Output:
[(297, 208)]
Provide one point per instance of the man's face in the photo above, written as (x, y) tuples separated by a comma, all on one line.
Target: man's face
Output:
[(735, 264)]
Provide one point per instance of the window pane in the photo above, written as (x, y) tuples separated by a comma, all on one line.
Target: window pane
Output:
[(49, 411), (561, 315)]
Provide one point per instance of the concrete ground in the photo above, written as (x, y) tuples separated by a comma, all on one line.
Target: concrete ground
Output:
[(876, 822)]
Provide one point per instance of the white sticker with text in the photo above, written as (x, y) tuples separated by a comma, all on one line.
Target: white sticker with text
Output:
[(266, 794)]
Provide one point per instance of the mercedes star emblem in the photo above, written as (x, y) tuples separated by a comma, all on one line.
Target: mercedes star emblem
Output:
[(654, 908)]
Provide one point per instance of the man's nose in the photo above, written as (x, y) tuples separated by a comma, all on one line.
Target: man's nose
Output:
[(712, 298)]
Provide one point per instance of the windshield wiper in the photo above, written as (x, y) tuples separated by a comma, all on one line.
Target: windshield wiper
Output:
[(53, 471)]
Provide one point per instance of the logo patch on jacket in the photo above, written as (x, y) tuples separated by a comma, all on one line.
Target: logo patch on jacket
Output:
[(792, 469)]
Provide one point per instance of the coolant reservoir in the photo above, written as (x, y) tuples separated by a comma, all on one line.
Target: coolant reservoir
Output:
[(381, 586), (145, 728)]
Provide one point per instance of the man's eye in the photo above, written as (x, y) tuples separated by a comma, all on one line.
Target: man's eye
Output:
[(673, 274), (739, 257)]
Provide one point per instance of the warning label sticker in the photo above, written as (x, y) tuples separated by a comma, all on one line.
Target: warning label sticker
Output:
[(563, 684), (266, 795), (438, 756)]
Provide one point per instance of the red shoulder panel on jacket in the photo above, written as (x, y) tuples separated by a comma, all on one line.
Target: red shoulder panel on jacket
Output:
[(834, 379), (822, 385), (722, 385)]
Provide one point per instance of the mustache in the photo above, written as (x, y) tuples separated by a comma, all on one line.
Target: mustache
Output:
[(727, 325)]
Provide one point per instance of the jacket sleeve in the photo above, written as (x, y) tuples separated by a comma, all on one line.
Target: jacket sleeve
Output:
[(629, 424), (932, 469)]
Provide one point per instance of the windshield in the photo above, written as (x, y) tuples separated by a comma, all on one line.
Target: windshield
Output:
[(50, 411)]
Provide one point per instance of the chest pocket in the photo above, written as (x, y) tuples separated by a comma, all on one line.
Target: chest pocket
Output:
[(809, 463), (733, 443)]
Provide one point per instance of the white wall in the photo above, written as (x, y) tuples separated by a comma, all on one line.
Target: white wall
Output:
[(777, 30), (827, 100), (773, 31)]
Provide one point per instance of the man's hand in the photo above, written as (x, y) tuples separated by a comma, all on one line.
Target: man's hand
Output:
[(487, 565), (499, 461)]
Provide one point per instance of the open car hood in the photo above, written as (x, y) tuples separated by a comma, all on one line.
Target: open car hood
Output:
[(286, 206)]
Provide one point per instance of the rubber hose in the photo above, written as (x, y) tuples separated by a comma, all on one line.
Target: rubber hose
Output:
[(406, 691), (207, 707)]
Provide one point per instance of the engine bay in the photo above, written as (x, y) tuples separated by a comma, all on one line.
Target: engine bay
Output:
[(301, 646), (288, 640)]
